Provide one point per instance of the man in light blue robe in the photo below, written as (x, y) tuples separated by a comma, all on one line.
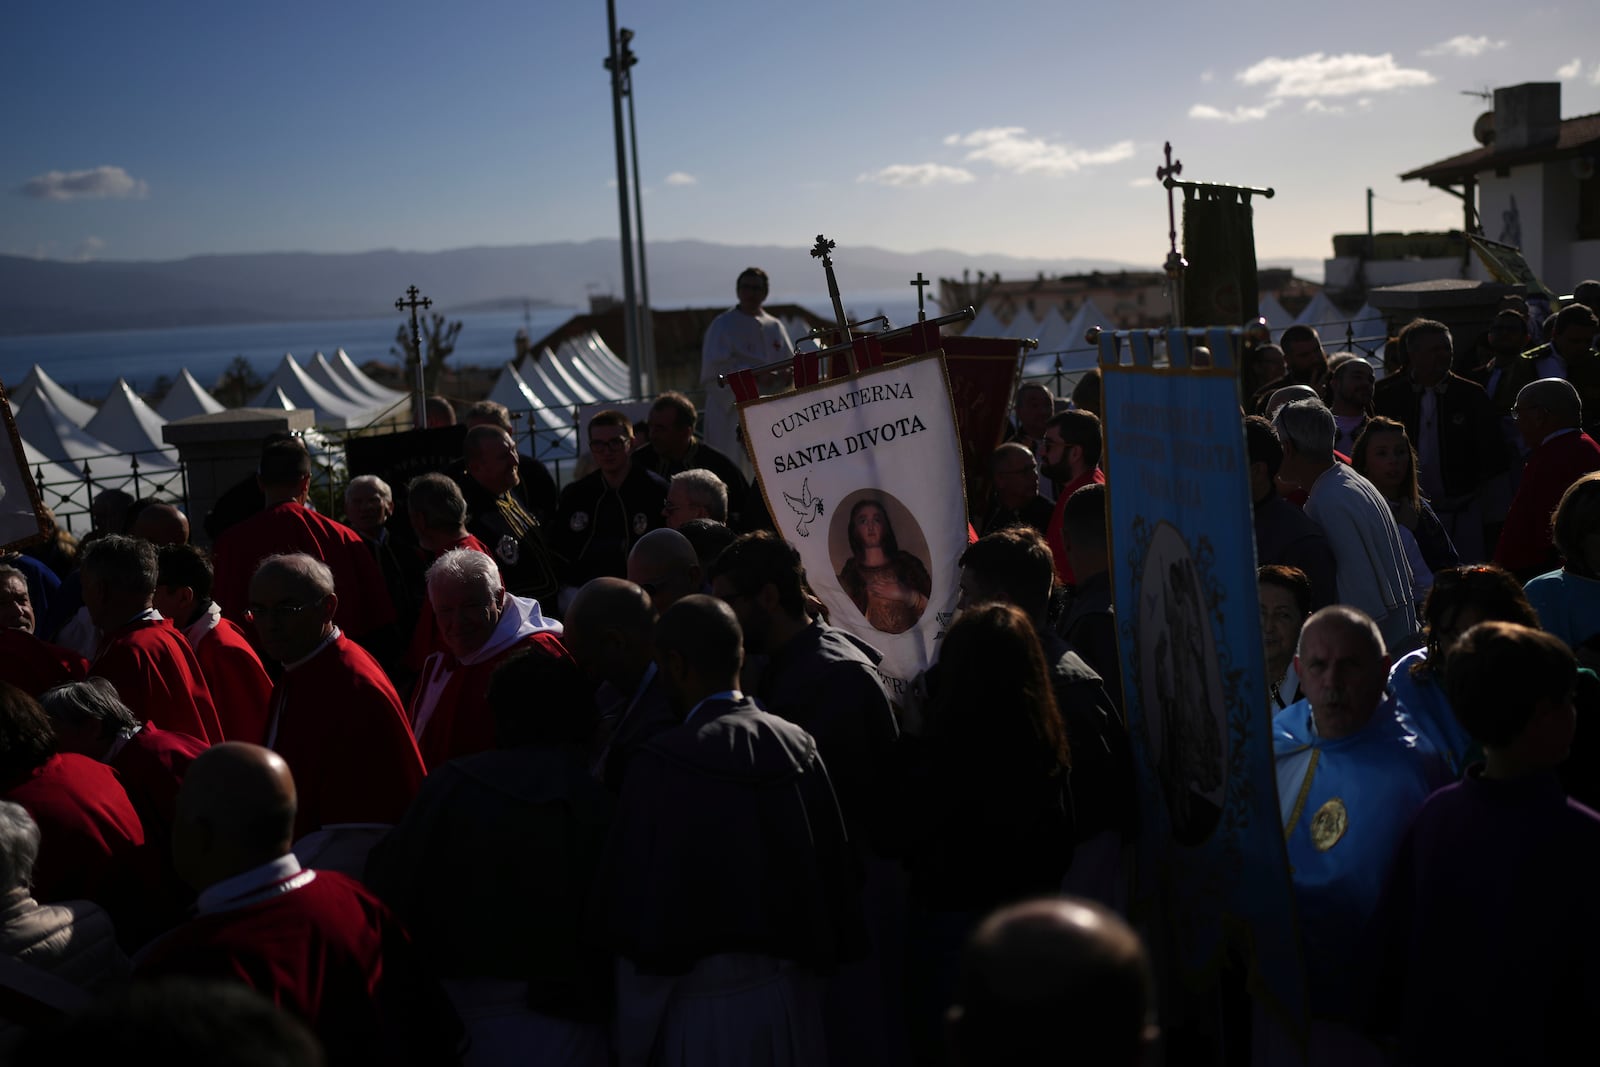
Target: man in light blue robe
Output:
[(1351, 770)]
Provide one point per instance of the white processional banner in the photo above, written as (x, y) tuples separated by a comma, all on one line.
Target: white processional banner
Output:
[(22, 519), (862, 475)]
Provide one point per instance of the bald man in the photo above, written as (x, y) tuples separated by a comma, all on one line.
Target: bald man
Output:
[(728, 872), (609, 631), (1549, 417), (663, 563), (334, 715), (1017, 501), (1048, 978), (159, 523), (316, 943)]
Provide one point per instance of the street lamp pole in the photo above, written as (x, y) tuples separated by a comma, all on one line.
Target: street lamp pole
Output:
[(614, 64), (646, 320)]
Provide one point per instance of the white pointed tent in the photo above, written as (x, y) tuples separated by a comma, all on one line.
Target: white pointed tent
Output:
[(37, 381), (561, 381), (291, 380), (50, 435), (512, 390), (1022, 324), (1325, 317), (346, 368), (128, 424), (987, 324), (1077, 355), (1053, 335), (593, 353), (275, 401), (321, 371), (186, 398), (577, 367), (557, 405), (1277, 318)]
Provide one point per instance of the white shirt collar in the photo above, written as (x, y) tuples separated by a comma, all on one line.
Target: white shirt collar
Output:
[(726, 694), (333, 635), (271, 879)]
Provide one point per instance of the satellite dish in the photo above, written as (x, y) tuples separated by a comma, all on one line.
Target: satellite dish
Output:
[(1483, 129)]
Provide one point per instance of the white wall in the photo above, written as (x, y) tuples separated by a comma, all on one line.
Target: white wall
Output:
[(1527, 185)]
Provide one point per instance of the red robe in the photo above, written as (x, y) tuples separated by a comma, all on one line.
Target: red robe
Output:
[(364, 603), (426, 639), (157, 676), (90, 837), (1525, 544), (340, 726), (152, 764), (1052, 533), (329, 952), (240, 685), (461, 723), (33, 665)]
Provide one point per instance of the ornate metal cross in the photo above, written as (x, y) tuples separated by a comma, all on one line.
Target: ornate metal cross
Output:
[(921, 283), (820, 251), (419, 402)]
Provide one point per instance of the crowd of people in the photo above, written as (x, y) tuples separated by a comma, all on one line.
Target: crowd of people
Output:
[(588, 776)]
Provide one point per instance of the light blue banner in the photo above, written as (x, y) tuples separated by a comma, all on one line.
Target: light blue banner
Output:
[(1213, 876)]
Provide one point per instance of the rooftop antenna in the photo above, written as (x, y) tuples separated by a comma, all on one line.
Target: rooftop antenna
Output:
[(1485, 94)]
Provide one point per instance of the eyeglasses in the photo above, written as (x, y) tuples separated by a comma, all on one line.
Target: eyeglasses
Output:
[(280, 612), (610, 444)]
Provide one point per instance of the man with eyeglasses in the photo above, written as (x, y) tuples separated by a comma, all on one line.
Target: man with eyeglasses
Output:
[(740, 338), (1550, 418), (603, 513), (1017, 500), (335, 718), (674, 449)]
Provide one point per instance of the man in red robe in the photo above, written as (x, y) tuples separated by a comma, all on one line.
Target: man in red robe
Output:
[(334, 717), (366, 613), (141, 653), (1549, 416), (438, 514), (91, 839), (26, 662), (315, 943), (240, 686), (481, 626)]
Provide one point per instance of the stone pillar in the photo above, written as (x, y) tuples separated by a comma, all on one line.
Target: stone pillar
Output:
[(221, 450), (1467, 307)]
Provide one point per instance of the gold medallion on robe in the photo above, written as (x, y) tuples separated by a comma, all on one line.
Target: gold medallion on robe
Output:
[(1329, 824)]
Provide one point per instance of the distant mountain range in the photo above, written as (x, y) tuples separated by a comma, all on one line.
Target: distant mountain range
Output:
[(51, 296)]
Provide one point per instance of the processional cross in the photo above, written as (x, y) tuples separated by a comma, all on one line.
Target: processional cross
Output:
[(921, 283), (820, 251), (1168, 176), (419, 402)]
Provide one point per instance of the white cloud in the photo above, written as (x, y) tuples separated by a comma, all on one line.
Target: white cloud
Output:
[(918, 174), (679, 177), (1237, 115), (1594, 75), (101, 183), (1464, 46), (88, 249), (1142, 183), (1008, 148), (1324, 75), (1318, 107), (1569, 70)]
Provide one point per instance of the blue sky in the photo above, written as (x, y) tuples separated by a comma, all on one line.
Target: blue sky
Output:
[(161, 130)]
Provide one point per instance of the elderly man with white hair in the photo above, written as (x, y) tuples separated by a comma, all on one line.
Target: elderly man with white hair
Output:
[(335, 718), (695, 494), (1549, 416), (1369, 557), (481, 626), (52, 956)]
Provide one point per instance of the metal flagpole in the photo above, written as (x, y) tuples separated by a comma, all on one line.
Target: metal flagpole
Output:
[(630, 311), (646, 319)]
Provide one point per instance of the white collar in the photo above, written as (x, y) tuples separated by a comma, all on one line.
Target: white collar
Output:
[(520, 618), (271, 879), (203, 624), (726, 694)]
